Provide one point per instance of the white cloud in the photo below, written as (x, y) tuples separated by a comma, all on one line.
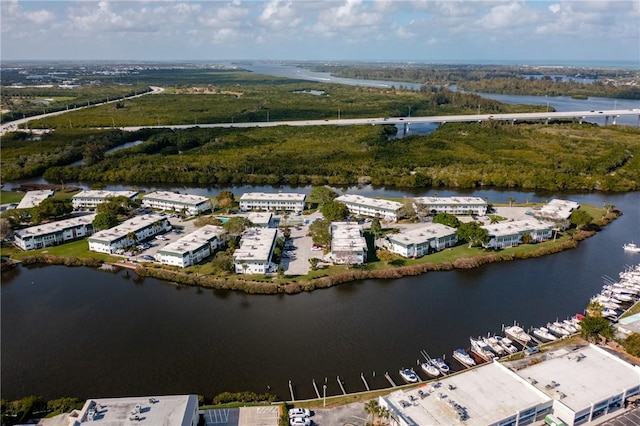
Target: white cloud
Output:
[(280, 15), (506, 16)]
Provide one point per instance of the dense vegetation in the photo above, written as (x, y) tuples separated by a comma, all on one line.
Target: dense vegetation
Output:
[(528, 156)]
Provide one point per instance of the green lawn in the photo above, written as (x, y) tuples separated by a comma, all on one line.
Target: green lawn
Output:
[(7, 197)]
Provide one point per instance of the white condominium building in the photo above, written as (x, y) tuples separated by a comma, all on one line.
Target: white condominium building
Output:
[(348, 246), (128, 233), (164, 200), (34, 198), (364, 206), (192, 248), (421, 241), (255, 251), (54, 233), (453, 205), (288, 201), (509, 234), (91, 199)]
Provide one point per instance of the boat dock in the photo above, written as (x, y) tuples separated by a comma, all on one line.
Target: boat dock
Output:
[(389, 379)]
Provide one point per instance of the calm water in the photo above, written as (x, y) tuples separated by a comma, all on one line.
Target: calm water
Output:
[(85, 332)]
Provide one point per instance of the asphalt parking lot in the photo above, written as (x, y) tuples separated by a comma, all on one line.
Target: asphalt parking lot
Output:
[(350, 414), (245, 416)]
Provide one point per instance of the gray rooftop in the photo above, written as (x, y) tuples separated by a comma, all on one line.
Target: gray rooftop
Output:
[(102, 194), (131, 225), (422, 234), (392, 206), (582, 376), (516, 226), (259, 218), (450, 200), (488, 393), (272, 196), (33, 198), (255, 245), (347, 236), (194, 240), (559, 209), (51, 227), (175, 197)]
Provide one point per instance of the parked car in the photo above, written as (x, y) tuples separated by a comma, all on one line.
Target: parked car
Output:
[(299, 412), (531, 351), (299, 421)]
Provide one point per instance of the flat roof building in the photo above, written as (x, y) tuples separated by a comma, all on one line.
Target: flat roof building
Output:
[(260, 219), (348, 246), (164, 200), (509, 234), (287, 201), (254, 254), (128, 233), (453, 205), (364, 206), (91, 199), (585, 383), (54, 233), (192, 248), (557, 209), (421, 241), (33, 198), (167, 410), (486, 395)]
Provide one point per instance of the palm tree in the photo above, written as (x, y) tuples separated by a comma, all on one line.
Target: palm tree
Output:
[(383, 413), (371, 407)]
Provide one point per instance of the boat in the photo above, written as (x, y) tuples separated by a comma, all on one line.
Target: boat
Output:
[(464, 358), (408, 375), (430, 369), (495, 346), (480, 348), (507, 344), (569, 326), (610, 313), (516, 332), (441, 365), (557, 329), (543, 334), (631, 247)]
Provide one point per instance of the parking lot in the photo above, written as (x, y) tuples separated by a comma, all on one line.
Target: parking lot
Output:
[(244, 416)]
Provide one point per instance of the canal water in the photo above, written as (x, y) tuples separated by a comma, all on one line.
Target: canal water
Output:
[(90, 333)]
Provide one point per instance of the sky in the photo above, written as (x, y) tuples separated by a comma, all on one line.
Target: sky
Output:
[(360, 30)]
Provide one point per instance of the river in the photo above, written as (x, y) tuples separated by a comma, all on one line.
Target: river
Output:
[(90, 333)]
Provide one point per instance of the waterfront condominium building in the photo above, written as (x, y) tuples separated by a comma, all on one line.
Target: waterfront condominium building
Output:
[(192, 248), (54, 233), (509, 234), (364, 206), (421, 241), (452, 205), (34, 198), (557, 211), (128, 233), (254, 254), (90, 199), (166, 410), (348, 246), (261, 219), (287, 201), (174, 201)]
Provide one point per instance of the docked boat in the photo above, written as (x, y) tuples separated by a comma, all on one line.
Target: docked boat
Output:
[(631, 247), (430, 369), (516, 333), (480, 348), (557, 329), (441, 365), (408, 375), (610, 313), (569, 326), (464, 358), (507, 344), (543, 334), (495, 346)]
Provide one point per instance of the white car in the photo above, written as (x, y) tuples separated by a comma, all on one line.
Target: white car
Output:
[(299, 412), (300, 421)]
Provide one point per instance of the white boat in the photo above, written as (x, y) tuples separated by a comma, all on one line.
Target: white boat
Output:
[(464, 358), (516, 332), (430, 369), (610, 313), (408, 375), (543, 334), (481, 349), (441, 365), (507, 344), (495, 346), (557, 329), (569, 326), (631, 247)]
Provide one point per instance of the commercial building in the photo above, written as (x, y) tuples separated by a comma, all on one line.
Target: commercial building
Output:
[(489, 395), (174, 201), (168, 410), (192, 248), (421, 241), (128, 233), (364, 206), (452, 205), (54, 233), (255, 251), (34, 198), (287, 201), (509, 234), (585, 383), (348, 246), (260, 219), (91, 199)]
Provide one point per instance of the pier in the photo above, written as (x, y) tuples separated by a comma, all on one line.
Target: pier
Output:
[(341, 386), (366, 385), (389, 379)]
